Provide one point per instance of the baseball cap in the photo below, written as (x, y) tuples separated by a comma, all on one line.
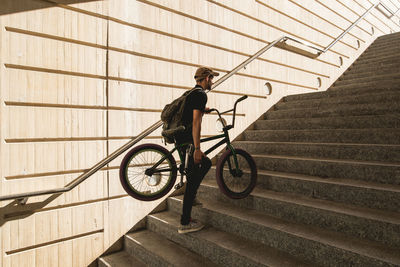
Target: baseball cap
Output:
[(204, 72)]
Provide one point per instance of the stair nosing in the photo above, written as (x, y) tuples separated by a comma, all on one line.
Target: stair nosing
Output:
[(316, 143), (343, 161), (394, 75), (332, 180), (335, 108), (315, 130), (332, 117), (336, 181), (336, 92), (372, 94), (122, 252)]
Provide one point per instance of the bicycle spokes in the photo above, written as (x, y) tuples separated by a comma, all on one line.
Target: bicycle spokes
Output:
[(148, 181), (236, 174)]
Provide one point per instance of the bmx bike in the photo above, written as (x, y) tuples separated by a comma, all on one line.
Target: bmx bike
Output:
[(148, 171)]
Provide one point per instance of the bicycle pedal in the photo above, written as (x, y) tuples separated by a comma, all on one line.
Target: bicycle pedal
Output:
[(179, 186)]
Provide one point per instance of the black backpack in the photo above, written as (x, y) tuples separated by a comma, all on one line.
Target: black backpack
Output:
[(171, 116)]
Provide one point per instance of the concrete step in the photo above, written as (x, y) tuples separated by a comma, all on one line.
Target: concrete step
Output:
[(369, 171), (376, 78), (355, 136), (389, 36), (369, 71), (302, 241), (387, 39), (378, 108), (360, 73), (372, 85), (156, 250), (223, 248), (381, 51), (356, 221), (390, 68), (384, 44), (120, 259), (354, 192), (369, 152), (391, 59), (328, 102), (341, 92), (363, 66), (339, 122), (377, 53)]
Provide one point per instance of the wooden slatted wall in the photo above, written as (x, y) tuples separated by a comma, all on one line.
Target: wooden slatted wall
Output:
[(78, 78)]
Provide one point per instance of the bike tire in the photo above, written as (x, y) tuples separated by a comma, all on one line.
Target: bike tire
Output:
[(141, 186), (228, 183)]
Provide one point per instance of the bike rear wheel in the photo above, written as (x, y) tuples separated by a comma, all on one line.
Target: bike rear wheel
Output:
[(143, 186), (236, 183)]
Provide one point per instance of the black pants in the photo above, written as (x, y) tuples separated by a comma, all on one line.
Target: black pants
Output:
[(195, 175)]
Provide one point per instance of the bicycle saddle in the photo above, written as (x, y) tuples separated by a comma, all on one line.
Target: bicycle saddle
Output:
[(173, 131)]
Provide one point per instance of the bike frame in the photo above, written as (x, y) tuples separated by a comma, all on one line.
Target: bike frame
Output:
[(224, 137), (225, 140)]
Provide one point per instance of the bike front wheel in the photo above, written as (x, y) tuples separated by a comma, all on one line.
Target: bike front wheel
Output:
[(135, 177), (237, 182)]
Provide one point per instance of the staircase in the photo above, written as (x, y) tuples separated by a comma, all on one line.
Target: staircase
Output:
[(328, 190)]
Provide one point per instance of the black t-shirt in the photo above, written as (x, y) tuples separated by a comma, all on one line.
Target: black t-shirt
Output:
[(196, 100)]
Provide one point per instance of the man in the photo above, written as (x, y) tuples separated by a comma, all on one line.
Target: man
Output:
[(198, 164)]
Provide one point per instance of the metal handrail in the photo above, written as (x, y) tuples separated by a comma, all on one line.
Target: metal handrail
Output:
[(351, 26), (387, 9), (280, 42)]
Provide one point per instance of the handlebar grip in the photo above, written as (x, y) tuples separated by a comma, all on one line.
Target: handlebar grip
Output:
[(242, 98)]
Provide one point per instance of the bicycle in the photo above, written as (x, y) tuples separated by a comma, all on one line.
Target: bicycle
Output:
[(148, 171)]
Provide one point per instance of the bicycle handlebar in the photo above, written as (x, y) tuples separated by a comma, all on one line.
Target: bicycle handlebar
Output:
[(242, 98), (234, 110)]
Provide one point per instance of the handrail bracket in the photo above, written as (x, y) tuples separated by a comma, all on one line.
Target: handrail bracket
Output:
[(285, 46), (22, 201)]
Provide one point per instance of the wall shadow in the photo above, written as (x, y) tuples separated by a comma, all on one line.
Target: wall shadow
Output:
[(16, 6), (14, 211)]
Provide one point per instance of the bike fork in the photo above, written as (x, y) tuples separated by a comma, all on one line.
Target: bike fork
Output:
[(185, 164), (235, 171)]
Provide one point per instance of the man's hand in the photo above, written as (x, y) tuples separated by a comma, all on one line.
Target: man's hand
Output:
[(207, 110), (197, 156)]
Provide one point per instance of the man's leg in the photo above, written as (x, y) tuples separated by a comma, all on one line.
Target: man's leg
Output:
[(195, 175)]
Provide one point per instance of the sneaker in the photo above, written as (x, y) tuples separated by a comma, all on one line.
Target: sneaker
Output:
[(193, 226)]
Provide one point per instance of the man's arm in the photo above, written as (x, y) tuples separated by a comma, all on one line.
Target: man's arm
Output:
[(196, 129)]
